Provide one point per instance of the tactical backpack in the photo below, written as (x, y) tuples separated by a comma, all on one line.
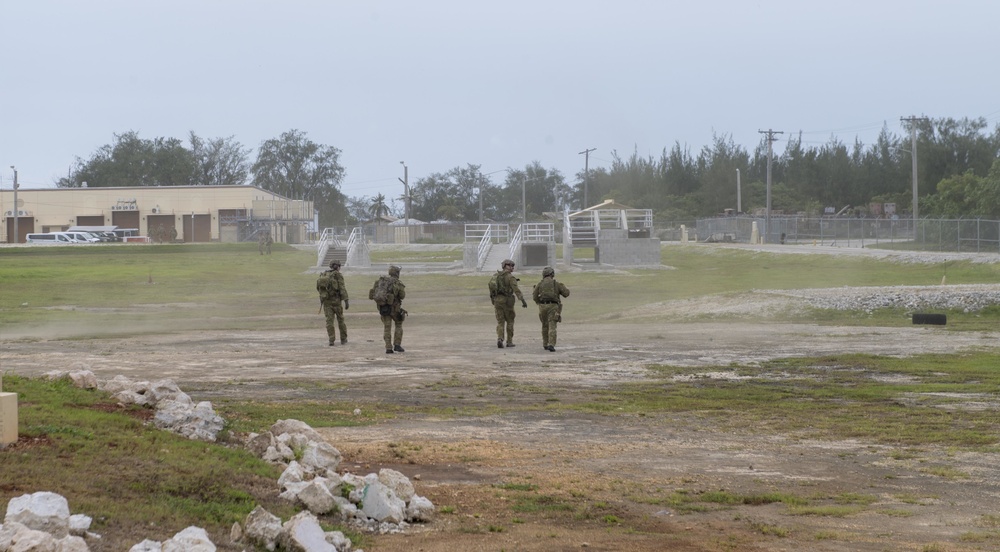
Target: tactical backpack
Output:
[(384, 293), (548, 290), (495, 284), (327, 286)]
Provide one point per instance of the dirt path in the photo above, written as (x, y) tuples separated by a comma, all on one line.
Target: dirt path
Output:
[(457, 461)]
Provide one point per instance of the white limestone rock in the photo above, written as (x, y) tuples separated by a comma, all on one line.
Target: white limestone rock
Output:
[(41, 511), (399, 483), (262, 528), (320, 457), (295, 426), (147, 546), (381, 503), (191, 539), (302, 533)]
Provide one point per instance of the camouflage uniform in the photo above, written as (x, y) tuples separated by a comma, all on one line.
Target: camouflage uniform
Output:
[(503, 302), (334, 312), (392, 313), (264, 243), (548, 296)]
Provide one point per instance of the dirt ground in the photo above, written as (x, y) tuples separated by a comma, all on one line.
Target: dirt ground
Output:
[(608, 469)]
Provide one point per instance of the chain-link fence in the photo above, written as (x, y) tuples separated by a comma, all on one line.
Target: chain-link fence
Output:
[(965, 235)]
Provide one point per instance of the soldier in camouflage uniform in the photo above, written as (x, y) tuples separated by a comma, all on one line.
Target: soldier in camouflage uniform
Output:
[(334, 291), (392, 312), (503, 302), (548, 296)]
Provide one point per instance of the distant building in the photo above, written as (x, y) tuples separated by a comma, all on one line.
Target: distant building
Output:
[(191, 213)]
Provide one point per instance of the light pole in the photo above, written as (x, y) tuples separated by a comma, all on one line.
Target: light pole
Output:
[(913, 157), (16, 210), (524, 201), (481, 179), (586, 174), (406, 199), (739, 202)]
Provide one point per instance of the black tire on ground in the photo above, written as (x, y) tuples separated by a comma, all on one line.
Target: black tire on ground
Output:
[(935, 319)]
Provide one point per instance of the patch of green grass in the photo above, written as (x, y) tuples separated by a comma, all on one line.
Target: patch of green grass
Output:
[(894, 512), (830, 510), (525, 487), (540, 503), (134, 480), (842, 397), (769, 529), (978, 537), (117, 289), (946, 472), (389, 254)]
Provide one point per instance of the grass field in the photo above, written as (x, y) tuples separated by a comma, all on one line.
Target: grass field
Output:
[(130, 477), (228, 285)]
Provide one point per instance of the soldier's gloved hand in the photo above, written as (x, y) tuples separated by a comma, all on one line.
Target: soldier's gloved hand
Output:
[(524, 304), (347, 304)]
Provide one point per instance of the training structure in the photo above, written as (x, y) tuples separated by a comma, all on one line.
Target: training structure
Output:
[(605, 234), (618, 236), (531, 244)]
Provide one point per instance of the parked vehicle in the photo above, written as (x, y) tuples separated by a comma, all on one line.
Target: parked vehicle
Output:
[(123, 233), (82, 237), (50, 238), (103, 233)]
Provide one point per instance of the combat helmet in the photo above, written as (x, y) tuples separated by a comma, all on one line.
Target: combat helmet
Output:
[(394, 271), (548, 271), (506, 262), (334, 265)]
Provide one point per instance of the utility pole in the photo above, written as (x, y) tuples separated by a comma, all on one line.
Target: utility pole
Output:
[(481, 197), (770, 139), (739, 203), (913, 154), (586, 174), (406, 199), (524, 201), (16, 210)]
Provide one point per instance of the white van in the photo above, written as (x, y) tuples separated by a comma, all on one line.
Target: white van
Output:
[(82, 237), (50, 238)]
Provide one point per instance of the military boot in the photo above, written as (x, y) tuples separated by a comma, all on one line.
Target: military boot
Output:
[(398, 349)]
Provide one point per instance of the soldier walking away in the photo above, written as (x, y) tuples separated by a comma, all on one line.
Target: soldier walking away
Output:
[(503, 290), (548, 296), (332, 291), (264, 242), (388, 294)]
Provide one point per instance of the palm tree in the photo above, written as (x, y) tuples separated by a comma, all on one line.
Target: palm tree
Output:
[(377, 208)]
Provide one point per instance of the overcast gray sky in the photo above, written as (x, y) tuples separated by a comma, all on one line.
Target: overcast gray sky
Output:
[(439, 84)]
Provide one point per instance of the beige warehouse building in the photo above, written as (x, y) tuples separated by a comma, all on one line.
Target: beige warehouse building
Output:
[(179, 213)]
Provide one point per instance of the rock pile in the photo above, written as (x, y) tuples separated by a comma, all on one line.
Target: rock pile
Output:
[(175, 410), (966, 298), (383, 502)]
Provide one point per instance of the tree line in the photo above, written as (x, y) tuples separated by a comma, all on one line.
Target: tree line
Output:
[(957, 166)]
